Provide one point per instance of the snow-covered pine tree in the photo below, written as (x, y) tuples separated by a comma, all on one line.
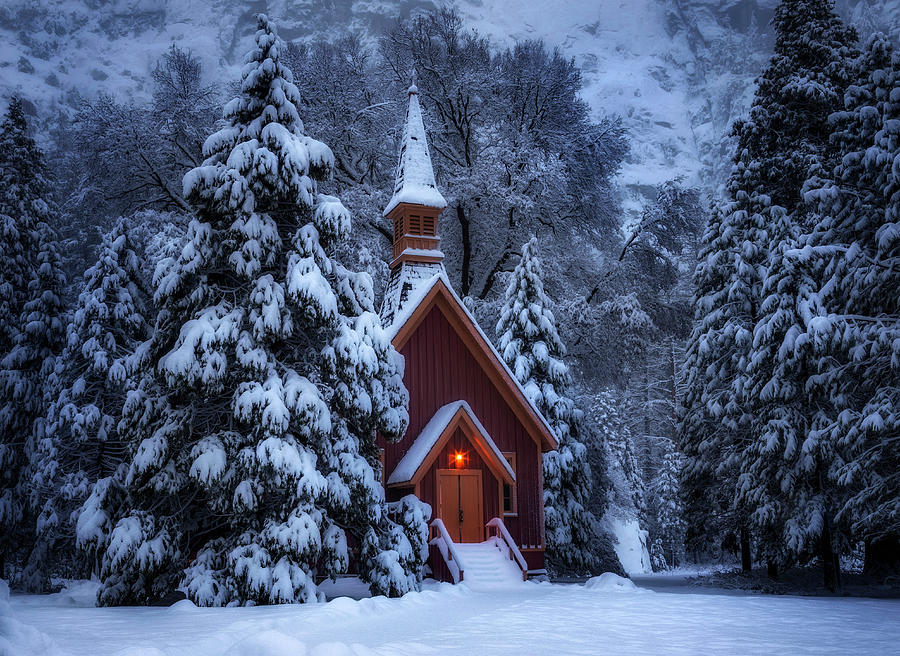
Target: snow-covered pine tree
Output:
[(714, 418), (851, 321), (787, 128), (29, 381), (23, 187), (600, 430), (668, 514), (622, 454), (784, 471), (532, 348), (252, 458), (785, 134), (31, 325), (81, 443)]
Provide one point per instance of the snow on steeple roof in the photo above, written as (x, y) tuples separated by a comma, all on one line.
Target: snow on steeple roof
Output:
[(414, 181)]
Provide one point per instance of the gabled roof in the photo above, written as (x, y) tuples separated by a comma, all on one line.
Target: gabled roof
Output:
[(410, 305), (437, 433), (414, 179)]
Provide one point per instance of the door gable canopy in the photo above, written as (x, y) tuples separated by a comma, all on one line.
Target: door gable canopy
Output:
[(435, 435)]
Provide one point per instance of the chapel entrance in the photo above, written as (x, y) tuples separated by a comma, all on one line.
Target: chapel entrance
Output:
[(460, 504)]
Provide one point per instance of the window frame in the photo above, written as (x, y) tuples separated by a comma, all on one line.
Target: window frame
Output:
[(513, 489)]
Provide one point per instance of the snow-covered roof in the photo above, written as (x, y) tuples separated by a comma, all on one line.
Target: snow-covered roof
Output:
[(414, 181), (404, 290), (430, 437), (408, 287)]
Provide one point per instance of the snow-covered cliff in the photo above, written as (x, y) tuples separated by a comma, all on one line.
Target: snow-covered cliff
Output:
[(677, 71)]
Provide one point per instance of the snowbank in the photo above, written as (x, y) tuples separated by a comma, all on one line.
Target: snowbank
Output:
[(78, 593), (17, 637), (610, 582)]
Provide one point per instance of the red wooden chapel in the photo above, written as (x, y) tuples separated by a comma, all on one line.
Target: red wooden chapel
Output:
[(474, 445)]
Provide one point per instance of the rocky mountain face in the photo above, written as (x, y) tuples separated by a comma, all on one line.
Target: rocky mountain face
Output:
[(677, 71)]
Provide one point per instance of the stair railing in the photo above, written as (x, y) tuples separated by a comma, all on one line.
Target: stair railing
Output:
[(498, 528), (441, 539)]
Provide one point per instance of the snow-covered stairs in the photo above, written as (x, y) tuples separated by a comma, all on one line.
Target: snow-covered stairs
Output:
[(487, 565)]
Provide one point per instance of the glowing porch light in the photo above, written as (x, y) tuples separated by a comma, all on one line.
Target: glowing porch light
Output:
[(459, 459)]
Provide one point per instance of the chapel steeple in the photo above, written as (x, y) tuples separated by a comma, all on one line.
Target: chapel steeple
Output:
[(416, 204)]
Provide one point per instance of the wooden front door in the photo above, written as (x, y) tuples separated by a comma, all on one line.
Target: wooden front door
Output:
[(460, 504)]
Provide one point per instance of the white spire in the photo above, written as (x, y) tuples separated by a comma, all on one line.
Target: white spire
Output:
[(414, 181)]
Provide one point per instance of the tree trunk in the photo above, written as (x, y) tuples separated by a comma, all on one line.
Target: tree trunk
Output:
[(674, 410), (492, 276), (746, 562), (646, 449), (466, 238), (882, 557), (831, 566), (772, 569), (384, 232)]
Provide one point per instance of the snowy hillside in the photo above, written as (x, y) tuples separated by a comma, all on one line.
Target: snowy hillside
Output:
[(677, 71)]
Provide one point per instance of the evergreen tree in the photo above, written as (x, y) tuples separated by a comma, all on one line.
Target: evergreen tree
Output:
[(714, 419), (251, 435), (31, 325), (851, 328), (622, 453), (81, 444), (23, 188), (669, 522), (784, 471), (31, 382), (600, 433), (533, 350), (742, 317)]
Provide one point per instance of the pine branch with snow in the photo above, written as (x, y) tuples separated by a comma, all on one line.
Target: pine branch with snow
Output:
[(531, 346), (850, 330), (31, 331), (81, 444), (251, 434)]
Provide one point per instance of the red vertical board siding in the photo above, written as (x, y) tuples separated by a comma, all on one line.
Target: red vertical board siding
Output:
[(439, 370), (439, 569)]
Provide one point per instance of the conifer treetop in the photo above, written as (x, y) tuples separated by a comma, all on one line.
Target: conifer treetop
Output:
[(22, 170), (529, 340), (263, 152), (23, 177), (786, 131)]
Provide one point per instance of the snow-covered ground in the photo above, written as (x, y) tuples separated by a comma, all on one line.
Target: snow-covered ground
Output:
[(605, 617)]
